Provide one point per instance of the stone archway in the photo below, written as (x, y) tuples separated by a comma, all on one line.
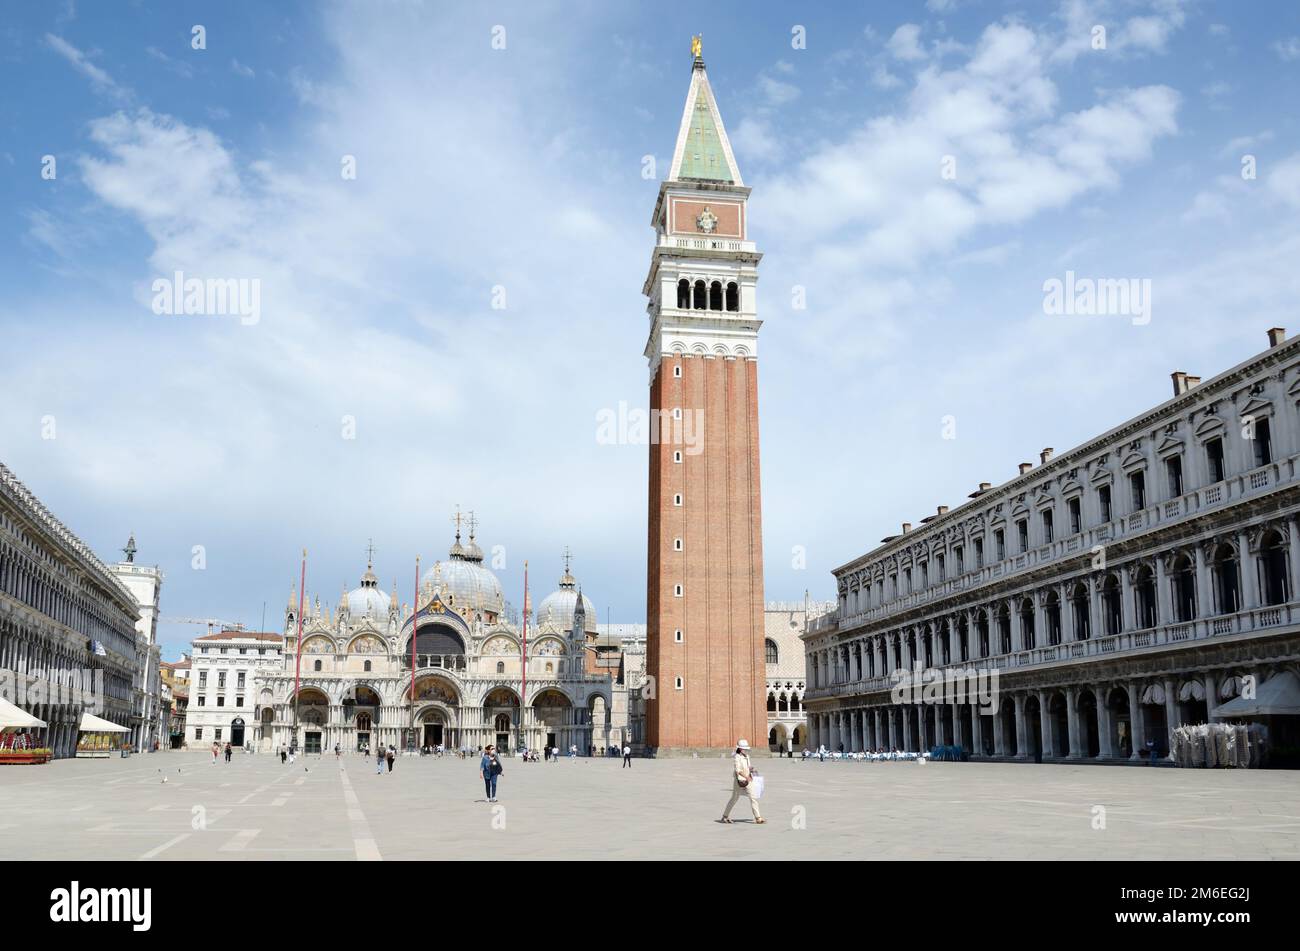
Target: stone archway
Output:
[(553, 714)]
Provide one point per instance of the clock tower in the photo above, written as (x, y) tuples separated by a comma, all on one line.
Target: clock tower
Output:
[(705, 639)]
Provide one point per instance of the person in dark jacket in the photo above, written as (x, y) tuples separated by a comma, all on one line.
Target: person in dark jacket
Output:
[(489, 767)]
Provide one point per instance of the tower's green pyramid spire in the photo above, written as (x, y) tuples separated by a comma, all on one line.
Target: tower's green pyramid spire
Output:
[(703, 151)]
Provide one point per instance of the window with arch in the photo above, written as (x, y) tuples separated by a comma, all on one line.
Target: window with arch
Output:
[(701, 296), (1144, 589), (715, 296), (1052, 611), (316, 666), (1274, 578), (770, 651), (1224, 571), (1082, 616), (1112, 604), (550, 668), (1027, 624), (684, 294), (733, 296), (363, 722), (368, 666), (501, 667)]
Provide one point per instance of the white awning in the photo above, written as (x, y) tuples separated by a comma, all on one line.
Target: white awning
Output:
[(16, 718), (1277, 696), (93, 724)]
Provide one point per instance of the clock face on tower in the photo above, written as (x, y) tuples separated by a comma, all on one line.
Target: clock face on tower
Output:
[(706, 221)]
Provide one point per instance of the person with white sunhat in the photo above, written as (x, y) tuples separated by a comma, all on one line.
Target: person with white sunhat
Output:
[(742, 780)]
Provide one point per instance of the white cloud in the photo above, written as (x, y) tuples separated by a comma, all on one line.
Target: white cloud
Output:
[(776, 92), (1288, 49), (100, 80), (1284, 180), (904, 43), (239, 69), (875, 203)]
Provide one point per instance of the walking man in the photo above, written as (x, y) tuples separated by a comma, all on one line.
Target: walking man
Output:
[(627, 756), (229, 752), (379, 760), (742, 781), (392, 755), (489, 767)]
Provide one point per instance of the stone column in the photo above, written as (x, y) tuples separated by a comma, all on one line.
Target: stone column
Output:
[(1204, 601), (907, 729), (1211, 697), (1172, 717), (1022, 748), (1105, 744), (1127, 605), (1136, 728), (954, 641), (1164, 603), (1040, 620), (1072, 718), (1045, 725), (999, 738), (1095, 622), (1068, 632), (1249, 573), (1017, 635), (977, 730), (1293, 547)]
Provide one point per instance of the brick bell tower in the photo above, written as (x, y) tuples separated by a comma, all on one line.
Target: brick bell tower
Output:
[(704, 613)]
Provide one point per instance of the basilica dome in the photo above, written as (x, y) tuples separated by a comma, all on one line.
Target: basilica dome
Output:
[(464, 582), (559, 606), (368, 600)]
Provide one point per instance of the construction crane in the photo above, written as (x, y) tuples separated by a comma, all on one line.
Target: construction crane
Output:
[(211, 622)]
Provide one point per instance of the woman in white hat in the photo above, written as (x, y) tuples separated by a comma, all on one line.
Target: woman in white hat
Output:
[(742, 780)]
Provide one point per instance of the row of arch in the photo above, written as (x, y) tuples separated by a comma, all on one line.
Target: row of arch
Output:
[(1092, 606), (708, 295), (1127, 720)]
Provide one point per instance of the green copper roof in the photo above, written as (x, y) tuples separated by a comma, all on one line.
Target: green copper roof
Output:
[(703, 156)]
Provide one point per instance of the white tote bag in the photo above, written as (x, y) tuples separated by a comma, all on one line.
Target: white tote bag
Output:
[(757, 783)]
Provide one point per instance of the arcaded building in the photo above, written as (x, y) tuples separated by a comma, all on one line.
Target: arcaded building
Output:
[(1132, 584), (68, 637)]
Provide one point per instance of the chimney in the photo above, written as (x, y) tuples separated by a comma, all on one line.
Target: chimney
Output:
[(1025, 467), (1193, 381), (1276, 336), (1045, 455), (943, 510), (1180, 382), (907, 527)]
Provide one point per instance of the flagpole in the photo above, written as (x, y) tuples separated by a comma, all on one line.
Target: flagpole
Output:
[(297, 669), (524, 688), (415, 610)]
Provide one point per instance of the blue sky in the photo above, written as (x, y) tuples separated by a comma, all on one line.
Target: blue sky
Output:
[(521, 168)]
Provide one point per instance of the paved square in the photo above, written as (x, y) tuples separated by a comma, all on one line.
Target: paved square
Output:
[(255, 808)]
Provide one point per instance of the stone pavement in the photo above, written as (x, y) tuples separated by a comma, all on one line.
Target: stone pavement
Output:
[(255, 808)]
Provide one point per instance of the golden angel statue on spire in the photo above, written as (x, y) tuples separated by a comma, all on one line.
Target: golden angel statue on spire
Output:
[(697, 45)]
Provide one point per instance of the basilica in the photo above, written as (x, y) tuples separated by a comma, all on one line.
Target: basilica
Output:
[(454, 671)]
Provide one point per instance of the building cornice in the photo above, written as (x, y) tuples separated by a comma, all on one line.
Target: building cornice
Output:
[(1287, 353)]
